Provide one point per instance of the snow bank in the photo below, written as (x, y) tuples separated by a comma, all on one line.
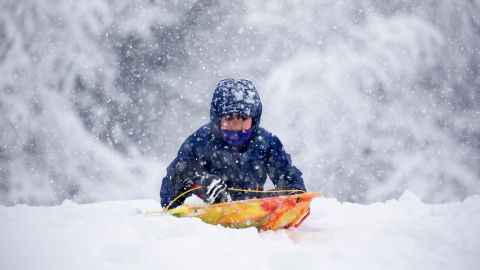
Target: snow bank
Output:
[(398, 234)]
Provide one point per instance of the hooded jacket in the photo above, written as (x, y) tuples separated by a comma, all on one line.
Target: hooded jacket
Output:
[(242, 167)]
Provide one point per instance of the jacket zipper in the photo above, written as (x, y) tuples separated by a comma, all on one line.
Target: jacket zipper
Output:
[(235, 165)]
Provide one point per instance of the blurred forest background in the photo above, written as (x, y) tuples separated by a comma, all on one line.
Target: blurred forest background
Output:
[(370, 97)]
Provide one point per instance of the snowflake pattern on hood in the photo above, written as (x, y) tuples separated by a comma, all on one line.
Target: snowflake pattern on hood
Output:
[(236, 97)]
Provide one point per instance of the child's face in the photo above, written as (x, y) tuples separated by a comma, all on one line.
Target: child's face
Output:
[(236, 123)]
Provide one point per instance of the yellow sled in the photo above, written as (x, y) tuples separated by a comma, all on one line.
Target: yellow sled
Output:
[(271, 213)]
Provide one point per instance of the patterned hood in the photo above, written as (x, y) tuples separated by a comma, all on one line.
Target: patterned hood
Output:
[(235, 97)]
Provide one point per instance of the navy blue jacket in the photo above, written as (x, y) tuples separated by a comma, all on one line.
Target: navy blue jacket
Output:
[(244, 167)]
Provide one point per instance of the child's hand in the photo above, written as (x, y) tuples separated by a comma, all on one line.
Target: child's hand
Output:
[(215, 189)]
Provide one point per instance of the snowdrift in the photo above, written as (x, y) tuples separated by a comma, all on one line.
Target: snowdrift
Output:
[(397, 234)]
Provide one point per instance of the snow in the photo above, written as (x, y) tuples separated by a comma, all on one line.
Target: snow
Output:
[(371, 98), (398, 234), (194, 201)]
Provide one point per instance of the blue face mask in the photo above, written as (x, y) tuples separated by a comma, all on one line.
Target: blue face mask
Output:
[(236, 137)]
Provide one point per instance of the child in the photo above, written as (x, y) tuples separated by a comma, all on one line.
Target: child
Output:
[(231, 152)]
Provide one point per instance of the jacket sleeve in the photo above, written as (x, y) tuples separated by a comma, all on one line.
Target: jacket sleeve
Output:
[(280, 169), (185, 165)]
